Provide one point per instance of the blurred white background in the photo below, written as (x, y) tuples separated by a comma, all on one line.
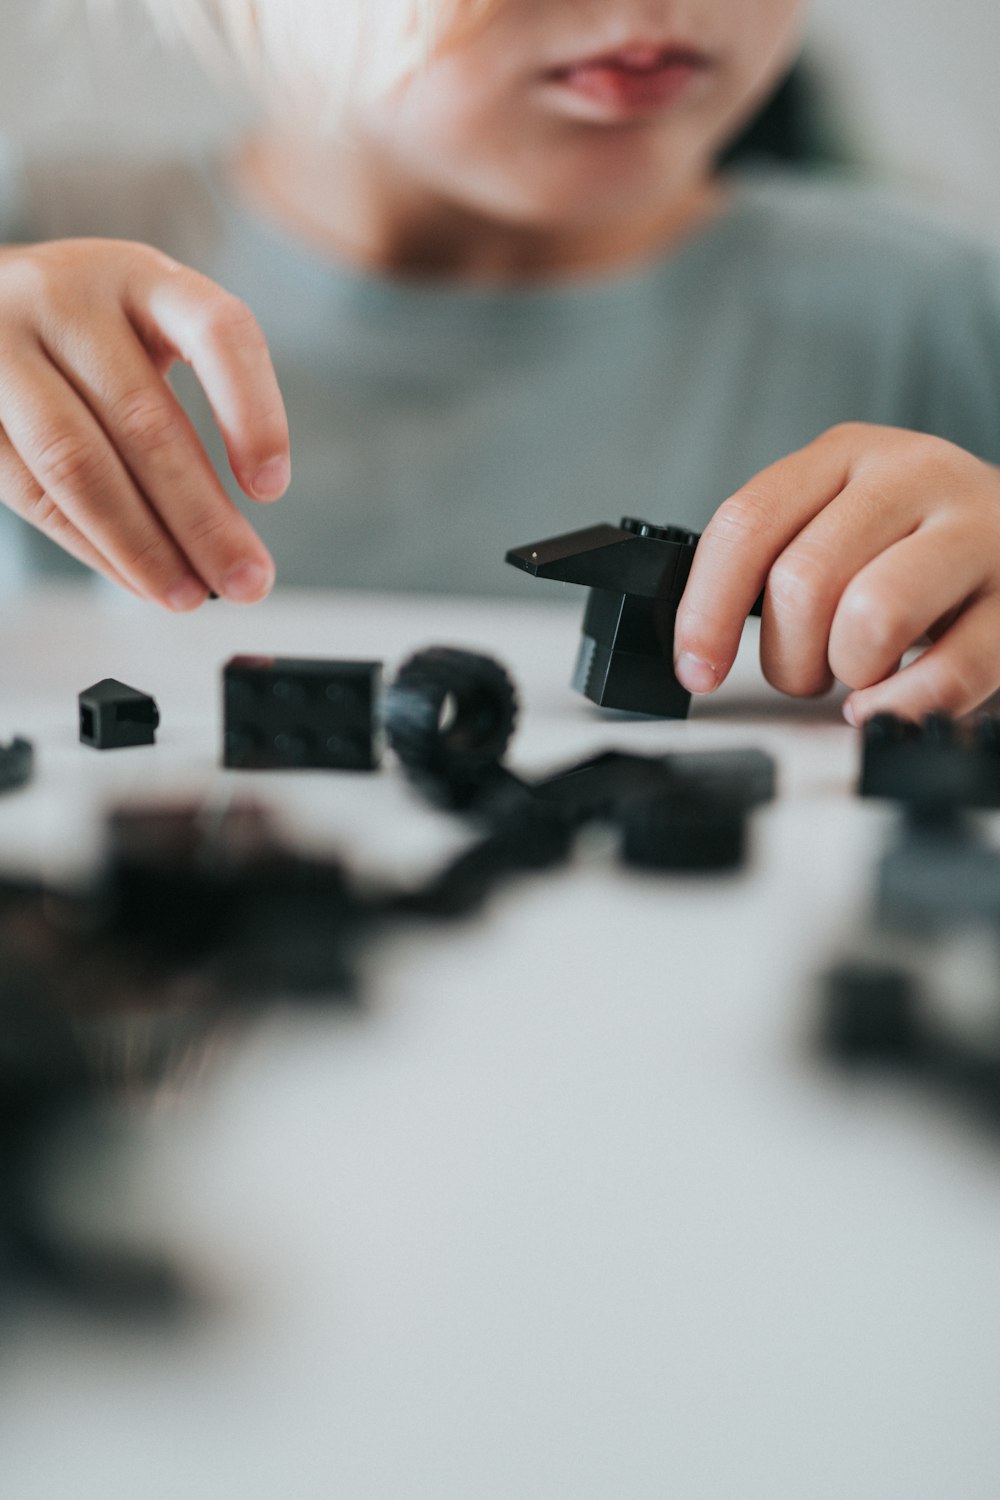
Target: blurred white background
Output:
[(912, 92)]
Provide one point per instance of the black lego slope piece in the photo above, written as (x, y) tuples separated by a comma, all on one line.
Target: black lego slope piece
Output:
[(636, 574)]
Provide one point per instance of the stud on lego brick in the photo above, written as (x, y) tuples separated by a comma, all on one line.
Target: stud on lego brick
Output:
[(636, 574), (284, 713), (115, 717)]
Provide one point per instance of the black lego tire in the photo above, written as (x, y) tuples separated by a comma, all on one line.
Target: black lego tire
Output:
[(449, 715)]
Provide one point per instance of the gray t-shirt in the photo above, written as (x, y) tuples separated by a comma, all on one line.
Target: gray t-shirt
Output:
[(433, 427)]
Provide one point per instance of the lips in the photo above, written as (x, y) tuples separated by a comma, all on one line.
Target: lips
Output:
[(634, 80)]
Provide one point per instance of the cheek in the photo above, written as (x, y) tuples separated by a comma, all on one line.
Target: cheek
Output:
[(442, 108)]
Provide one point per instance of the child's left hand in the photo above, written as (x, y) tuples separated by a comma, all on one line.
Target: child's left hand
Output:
[(868, 540)]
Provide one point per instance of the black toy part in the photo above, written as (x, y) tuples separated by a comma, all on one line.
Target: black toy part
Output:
[(636, 573), (293, 714), (449, 716), (936, 763), (17, 764), (115, 717), (875, 1017)]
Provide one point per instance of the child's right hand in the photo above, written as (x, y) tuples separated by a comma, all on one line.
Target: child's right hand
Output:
[(95, 449)]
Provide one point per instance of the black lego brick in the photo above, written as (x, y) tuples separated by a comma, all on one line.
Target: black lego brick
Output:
[(283, 713), (938, 762)]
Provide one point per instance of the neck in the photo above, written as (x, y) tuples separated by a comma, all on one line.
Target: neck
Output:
[(350, 206)]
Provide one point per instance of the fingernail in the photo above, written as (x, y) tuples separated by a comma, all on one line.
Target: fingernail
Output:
[(272, 479), (694, 674), (247, 582), (850, 715), (187, 594)]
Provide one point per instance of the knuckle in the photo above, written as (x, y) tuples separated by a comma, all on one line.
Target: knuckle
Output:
[(67, 461), (872, 622), (796, 586), (744, 517), (43, 513), (848, 431), (207, 528), (953, 684), (145, 420), (151, 558), (227, 319)]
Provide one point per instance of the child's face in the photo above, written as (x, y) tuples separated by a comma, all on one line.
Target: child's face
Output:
[(563, 111)]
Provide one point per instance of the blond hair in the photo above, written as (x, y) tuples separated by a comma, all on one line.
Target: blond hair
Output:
[(342, 47)]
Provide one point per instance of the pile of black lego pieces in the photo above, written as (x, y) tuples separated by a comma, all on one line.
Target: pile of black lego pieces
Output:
[(202, 910)]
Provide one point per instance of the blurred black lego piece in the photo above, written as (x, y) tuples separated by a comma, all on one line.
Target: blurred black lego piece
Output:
[(636, 574), (876, 1016), (114, 716), (218, 891), (938, 879), (673, 813), (938, 874), (17, 764), (281, 713), (938, 762), (50, 1087)]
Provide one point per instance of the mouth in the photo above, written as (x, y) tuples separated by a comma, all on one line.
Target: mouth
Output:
[(636, 81)]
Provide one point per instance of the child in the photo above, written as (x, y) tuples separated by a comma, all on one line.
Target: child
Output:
[(507, 293)]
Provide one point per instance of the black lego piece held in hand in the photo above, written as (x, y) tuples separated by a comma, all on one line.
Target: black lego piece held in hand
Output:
[(636, 574)]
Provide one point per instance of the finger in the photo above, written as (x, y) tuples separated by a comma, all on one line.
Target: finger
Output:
[(154, 437), (899, 597), (805, 584), (68, 455), (953, 676), (219, 337), (21, 494), (735, 554)]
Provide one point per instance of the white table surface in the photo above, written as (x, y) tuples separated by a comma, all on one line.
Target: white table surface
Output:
[(570, 1208)]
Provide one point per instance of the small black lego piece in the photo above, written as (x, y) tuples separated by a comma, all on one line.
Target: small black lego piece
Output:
[(939, 874), (939, 762), (115, 717), (449, 716), (870, 1014), (636, 574), (17, 764), (282, 714), (683, 834), (875, 1015)]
